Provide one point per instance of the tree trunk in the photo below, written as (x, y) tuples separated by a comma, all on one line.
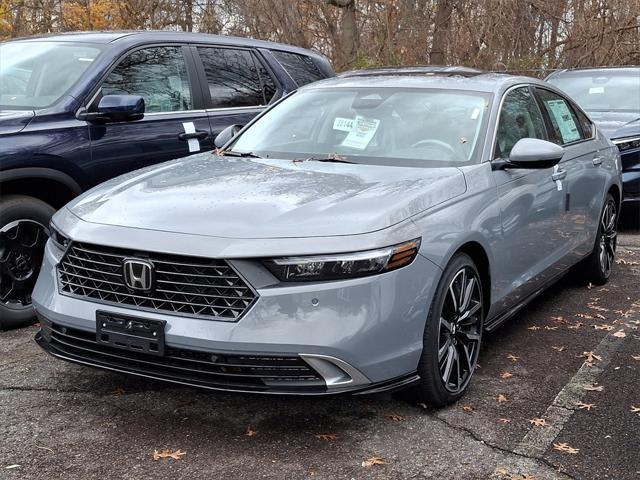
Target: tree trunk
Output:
[(438, 53), (348, 32)]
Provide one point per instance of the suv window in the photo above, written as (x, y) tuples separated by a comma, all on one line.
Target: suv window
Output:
[(301, 68), (565, 126), (520, 118), (233, 78), (157, 74)]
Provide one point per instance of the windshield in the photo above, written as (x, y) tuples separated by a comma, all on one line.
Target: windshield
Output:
[(37, 74), (607, 91), (410, 127)]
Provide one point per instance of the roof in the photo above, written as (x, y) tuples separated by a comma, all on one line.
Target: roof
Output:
[(151, 36), (481, 82), (588, 70), (413, 70)]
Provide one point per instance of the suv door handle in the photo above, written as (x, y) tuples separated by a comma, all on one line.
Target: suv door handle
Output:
[(199, 134), (597, 161), (559, 175)]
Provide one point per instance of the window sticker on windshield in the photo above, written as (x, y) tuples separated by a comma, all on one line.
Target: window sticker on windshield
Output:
[(593, 90), (362, 133), (343, 124), (562, 115), (475, 114)]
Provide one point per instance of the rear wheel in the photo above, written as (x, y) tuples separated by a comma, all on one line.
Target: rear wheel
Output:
[(597, 266), (452, 335), (23, 233)]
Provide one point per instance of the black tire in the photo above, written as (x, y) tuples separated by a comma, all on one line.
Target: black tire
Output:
[(14, 210), (596, 268), (433, 389)]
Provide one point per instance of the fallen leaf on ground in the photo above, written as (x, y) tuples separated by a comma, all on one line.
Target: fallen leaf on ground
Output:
[(118, 391), (538, 422), (250, 433), (590, 286), (603, 326), (585, 406), (601, 317), (620, 334), (635, 409), (512, 357), (395, 417), (50, 450), (563, 447), (576, 325), (547, 327), (561, 348), (559, 319), (502, 398), (504, 420), (326, 437), (597, 308), (591, 357), (10, 467), (176, 455), (593, 388), (375, 461), (467, 408), (534, 327), (506, 375), (635, 357)]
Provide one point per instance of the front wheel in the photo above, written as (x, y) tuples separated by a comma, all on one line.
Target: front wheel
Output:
[(597, 266), (452, 335)]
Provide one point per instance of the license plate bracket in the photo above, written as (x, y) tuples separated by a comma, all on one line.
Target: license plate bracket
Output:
[(130, 333)]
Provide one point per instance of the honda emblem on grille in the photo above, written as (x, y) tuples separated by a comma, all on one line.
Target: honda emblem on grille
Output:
[(138, 274)]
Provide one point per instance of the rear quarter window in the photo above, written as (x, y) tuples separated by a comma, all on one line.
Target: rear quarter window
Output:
[(300, 68)]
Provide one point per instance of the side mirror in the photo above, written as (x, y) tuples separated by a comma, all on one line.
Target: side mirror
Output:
[(227, 134), (532, 153), (117, 108)]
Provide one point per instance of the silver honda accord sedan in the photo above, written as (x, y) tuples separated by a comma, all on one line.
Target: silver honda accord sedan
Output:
[(360, 235)]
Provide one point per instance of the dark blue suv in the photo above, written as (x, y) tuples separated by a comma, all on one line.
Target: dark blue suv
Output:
[(78, 109)]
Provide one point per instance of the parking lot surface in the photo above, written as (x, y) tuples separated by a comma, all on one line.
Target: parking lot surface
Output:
[(556, 397)]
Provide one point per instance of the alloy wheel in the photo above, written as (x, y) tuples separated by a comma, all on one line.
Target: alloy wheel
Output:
[(608, 237), (460, 330), (21, 251)]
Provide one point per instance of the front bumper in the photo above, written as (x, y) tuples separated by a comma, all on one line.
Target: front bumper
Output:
[(359, 335)]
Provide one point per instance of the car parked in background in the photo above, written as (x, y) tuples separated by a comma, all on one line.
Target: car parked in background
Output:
[(78, 109), (359, 235), (611, 97)]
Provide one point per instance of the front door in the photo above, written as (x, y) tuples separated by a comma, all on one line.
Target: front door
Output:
[(175, 123), (531, 206)]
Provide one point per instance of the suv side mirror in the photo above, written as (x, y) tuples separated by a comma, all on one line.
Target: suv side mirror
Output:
[(117, 108), (532, 153), (227, 134)]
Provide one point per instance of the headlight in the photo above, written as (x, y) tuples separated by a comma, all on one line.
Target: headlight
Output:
[(627, 143), (58, 239), (347, 265)]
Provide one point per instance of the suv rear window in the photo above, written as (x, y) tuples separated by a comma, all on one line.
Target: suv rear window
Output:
[(301, 68)]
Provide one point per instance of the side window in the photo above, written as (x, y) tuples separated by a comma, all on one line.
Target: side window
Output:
[(520, 118), (232, 77), (158, 74), (585, 123), (301, 68), (565, 126), (268, 85)]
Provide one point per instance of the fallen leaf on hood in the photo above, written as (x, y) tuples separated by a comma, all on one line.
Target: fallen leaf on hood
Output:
[(506, 375), (250, 433), (534, 328), (585, 406), (561, 348), (502, 398), (593, 388), (620, 334), (512, 357), (538, 422), (176, 455), (564, 447), (326, 437), (370, 462), (504, 420), (395, 417)]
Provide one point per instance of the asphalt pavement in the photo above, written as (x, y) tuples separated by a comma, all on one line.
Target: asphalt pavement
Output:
[(554, 398)]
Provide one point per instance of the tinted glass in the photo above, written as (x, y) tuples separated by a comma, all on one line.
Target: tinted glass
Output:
[(389, 126), (268, 85), (158, 74), (605, 90), (565, 126), (585, 123), (232, 77), (519, 118), (37, 74), (301, 68)]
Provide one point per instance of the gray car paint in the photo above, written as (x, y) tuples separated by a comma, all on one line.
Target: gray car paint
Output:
[(375, 324)]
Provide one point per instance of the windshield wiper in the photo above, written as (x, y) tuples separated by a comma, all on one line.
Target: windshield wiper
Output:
[(331, 158), (233, 153)]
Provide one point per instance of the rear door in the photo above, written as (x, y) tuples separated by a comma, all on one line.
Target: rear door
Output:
[(237, 84), (583, 185), (175, 123)]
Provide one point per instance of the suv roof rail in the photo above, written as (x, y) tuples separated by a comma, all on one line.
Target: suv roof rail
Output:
[(414, 70)]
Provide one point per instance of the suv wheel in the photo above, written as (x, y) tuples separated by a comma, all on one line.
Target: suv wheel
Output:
[(452, 335), (23, 233)]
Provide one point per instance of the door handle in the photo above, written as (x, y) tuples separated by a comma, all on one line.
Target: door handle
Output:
[(199, 134), (597, 161), (559, 175)]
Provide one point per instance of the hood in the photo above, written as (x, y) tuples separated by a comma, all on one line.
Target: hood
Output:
[(611, 122), (266, 198), (13, 121)]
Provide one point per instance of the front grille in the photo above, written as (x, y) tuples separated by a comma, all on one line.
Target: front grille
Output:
[(215, 370), (184, 285)]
